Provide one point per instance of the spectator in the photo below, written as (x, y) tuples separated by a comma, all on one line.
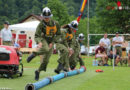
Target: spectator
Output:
[(117, 43), (6, 34), (30, 43), (124, 52), (93, 51), (100, 53), (129, 59), (117, 58), (106, 43)]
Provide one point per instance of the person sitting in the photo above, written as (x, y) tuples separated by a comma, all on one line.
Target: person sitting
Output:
[(129, 59), (106, 43), (100, 53), (116, 57), (124, 57)]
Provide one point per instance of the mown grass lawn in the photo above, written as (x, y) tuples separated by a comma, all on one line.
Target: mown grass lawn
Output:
[(119, 79)]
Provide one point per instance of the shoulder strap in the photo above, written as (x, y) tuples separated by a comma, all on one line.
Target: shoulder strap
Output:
[(54, 23), (44, 24)]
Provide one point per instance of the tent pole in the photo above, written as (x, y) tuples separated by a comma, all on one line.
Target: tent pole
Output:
[(16, 40)]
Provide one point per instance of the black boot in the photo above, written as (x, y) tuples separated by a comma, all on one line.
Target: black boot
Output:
[(56, 71), (65, 70), (59, 68), (36, 75), (72, 67), (30, 57)]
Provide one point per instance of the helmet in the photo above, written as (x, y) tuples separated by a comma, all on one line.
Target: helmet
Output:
[(46, 12), (81, 36), (74, 25)]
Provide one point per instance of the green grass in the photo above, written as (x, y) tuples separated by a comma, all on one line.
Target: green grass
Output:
[(119, 79)]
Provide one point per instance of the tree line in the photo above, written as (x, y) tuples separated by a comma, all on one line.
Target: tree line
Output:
[(104, 15)]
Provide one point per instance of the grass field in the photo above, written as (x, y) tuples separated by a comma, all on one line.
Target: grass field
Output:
[(89, 80)]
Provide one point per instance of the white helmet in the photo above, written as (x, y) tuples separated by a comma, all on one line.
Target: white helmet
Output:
[(46, 12), (74, 25), (81, 36)]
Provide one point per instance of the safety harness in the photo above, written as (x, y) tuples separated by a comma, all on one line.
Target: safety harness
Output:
[(69, 36), (50, 30)]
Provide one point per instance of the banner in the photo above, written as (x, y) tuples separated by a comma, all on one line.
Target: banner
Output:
[(81, 9)]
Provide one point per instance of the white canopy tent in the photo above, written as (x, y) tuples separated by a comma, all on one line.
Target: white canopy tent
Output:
[(26, 26)]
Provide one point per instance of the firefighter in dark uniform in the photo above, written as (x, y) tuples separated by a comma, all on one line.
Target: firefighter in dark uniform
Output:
[(75, 57), (67, 43), (80, 41), (72, 44), (47, 33), (79, 59), (63, 61), (74, 47)]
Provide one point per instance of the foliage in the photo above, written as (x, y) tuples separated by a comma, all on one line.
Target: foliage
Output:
[(110, 19), (93, 25), (74, 7), (16, 10), (64, 11), (59, 11)]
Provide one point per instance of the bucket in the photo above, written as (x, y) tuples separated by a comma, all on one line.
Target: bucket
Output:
[(95, 62)]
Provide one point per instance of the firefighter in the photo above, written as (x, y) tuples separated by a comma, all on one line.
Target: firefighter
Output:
[(79, 59), (63, 61), (75, 57), (72, 44), (66, 46), (80, 40), (75, 46), (47, 33)]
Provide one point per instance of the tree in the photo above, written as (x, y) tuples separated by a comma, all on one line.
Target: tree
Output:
[(16, 10), (74, 7), (59, 11), (93, 25), (111, 19)]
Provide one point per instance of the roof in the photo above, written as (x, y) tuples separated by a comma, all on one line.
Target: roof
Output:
[(36, 16)]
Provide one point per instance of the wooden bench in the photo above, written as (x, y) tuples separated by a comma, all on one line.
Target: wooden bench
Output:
[(27, 50)]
